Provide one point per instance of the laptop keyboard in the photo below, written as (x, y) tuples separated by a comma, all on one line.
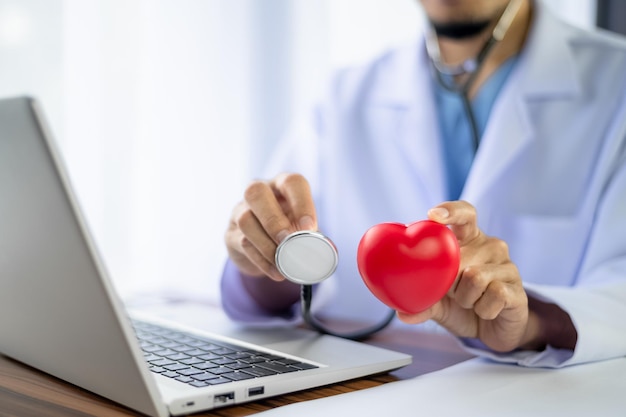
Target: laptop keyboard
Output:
[(201, 362)]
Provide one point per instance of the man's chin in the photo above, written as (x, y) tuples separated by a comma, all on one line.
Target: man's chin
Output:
[(460, 30)]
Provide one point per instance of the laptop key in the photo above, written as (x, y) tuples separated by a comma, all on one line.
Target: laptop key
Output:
[(253, 360), (217, 381), (237, 376), (304, 365), (210, 356), (192, 361), (182, 336), (239, 356), (287, 361), (257, 371), (204, 376), (238, 365), (150, 348), (223, 361), (220, 370), (276, 367), (207, 347), (169, 344), (154, 339), (195, 352), (149, 357), (190, 371), (223, 351), (176, 367), (165, 352), (270, 357), (205, 365), (177, 356), (161, 362), (184, 349)]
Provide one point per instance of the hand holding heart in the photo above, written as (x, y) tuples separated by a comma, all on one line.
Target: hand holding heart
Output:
[(486, 299)]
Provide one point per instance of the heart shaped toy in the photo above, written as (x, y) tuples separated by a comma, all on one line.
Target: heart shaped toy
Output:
[(409, 268)]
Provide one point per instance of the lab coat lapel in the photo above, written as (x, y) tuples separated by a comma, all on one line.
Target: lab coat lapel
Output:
[(543, 73), (507, 133), (408, 94)]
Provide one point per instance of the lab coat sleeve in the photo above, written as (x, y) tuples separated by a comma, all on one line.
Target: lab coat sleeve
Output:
[(241, 307), (597, 301)]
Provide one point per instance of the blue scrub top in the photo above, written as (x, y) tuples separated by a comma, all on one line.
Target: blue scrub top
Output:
[(454, 125)]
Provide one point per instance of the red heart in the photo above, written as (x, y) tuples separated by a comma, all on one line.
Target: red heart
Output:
[(409, 268)]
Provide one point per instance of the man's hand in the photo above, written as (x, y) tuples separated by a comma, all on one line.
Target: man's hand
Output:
[(487, 300), (269, 212)]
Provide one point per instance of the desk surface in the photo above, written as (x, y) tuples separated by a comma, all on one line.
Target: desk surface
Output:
[(27, 392)]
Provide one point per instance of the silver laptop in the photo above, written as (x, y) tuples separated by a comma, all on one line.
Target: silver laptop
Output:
[(59, 311)]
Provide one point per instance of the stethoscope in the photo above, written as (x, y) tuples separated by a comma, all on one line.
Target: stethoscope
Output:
[(444, 74), (307, 258)]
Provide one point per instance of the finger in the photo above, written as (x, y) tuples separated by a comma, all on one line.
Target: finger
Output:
[(460, 216), (418, 318), (488, 289), (260, 261), (236, 252), (493, 301), (475, 280), (263, 204), (248, 245), (486, 250), (251, 231), (471, 285), (297, 200), (233, 238)]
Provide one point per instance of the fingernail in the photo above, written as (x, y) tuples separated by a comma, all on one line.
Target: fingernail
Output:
[(306, 223), (438, 212), (280, 236)]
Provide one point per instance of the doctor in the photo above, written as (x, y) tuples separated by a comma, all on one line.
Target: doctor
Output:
[(504, 123)]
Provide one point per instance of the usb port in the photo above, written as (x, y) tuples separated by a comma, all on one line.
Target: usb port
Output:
[(255, 391), (222, 399)]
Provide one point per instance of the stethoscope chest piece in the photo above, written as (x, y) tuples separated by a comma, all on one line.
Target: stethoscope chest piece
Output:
[(306, 257)]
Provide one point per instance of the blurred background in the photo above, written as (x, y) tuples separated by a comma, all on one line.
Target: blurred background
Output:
[(165, 109)]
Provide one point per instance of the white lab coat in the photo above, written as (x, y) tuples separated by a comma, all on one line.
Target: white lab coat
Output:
[(549, 177)]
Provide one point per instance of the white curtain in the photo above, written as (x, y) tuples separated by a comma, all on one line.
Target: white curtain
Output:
[(163, 108)]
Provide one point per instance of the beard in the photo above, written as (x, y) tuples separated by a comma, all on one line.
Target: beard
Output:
[(460, 30), (466, 27)]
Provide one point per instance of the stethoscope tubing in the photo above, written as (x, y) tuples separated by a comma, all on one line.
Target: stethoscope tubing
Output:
[(358, 335)]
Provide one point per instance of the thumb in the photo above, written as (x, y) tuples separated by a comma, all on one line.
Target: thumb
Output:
[(433, 313)]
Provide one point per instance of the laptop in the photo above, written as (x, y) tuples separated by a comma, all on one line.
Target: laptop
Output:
[(59, 311)]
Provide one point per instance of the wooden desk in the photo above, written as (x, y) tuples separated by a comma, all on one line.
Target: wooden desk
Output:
[(26, 392)]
